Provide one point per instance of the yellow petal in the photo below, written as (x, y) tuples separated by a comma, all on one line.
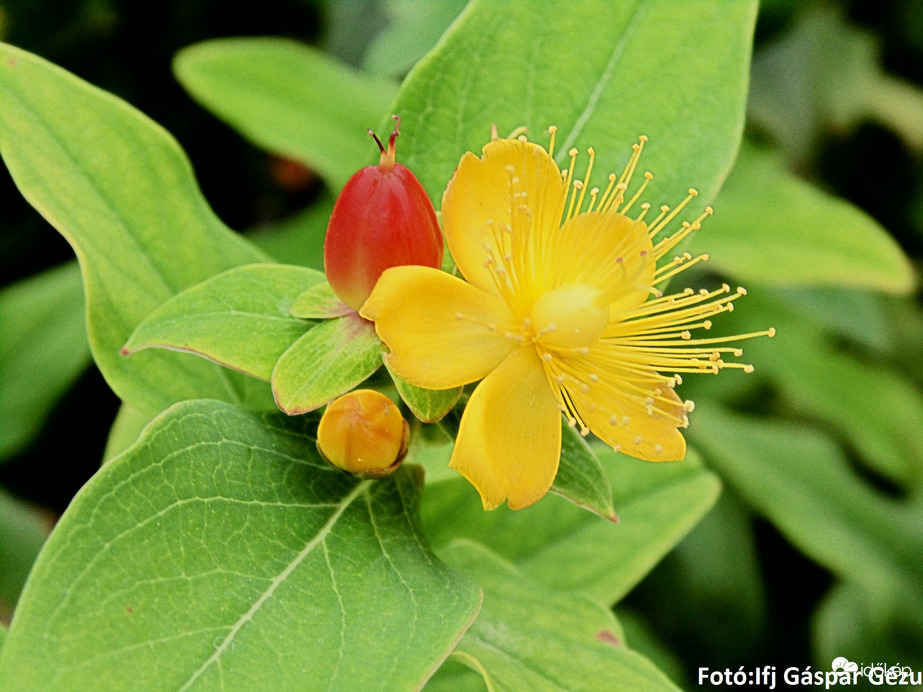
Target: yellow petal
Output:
[(610, 252), (438, 327), (478, 205), (622, 420), (509, 441)]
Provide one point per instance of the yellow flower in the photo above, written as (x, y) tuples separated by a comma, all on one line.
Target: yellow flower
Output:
[(560, 311)]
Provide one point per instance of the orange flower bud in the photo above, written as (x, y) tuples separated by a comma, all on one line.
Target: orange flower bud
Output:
[(363, 433), (383, 218)]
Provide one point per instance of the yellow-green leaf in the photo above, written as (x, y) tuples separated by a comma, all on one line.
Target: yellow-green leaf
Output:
[(289, 98), (220, 552), (769, 227), (240, 318), (121, 191)]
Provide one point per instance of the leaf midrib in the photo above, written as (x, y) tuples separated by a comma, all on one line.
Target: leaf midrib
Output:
[(319, 539)]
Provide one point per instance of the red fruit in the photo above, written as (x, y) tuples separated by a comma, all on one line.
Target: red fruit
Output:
[(383, 218)]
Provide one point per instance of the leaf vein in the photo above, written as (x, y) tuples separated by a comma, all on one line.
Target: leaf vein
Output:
[(215, 658), (601, 84)]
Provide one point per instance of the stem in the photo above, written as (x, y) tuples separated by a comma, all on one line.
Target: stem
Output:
[(388, 156)]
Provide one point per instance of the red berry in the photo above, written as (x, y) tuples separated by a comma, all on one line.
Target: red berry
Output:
[(383, 218)]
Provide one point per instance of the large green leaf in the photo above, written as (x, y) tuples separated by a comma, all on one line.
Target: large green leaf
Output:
[(23, 530), (854, 316), (850, 623), (221, 552), (769, 227), (713, 578), (799, 480), (826, 74), (239, 318), (604, 73), (126, 428), (874, 408), (121, 191), (289, 98), (527, 638), (657, 504), (413, 28), (42, 352)]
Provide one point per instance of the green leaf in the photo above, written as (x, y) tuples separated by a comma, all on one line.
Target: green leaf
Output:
[(657, 505), (451, 677), (649, 644), (713, 578), (221, 552), (802, 483), (639, 70), (431, 447), (857, 316), (413, 28), (428, 405), (299, 238), (42, 352), (240, 318), (330, 359), (581, 478), (874, 408), (290, 99), (319, 302), (850, 622), (824, 75), (126, 428), (23, 530), (769, 227), (527, 638), (122, 192)]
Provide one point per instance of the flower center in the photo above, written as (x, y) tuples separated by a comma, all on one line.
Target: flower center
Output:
[(569, 317)]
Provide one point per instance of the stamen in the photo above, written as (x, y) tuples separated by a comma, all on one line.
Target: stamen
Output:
[(667, 244), (518, 132), (621, 188), (661, 223), (606, 200), (593, 194), (489, 326), (679, 264), (633, 161), (569, 183), (586, 178), (648, 177)]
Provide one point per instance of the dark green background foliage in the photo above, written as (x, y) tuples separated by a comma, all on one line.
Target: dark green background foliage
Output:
[(813, 548)]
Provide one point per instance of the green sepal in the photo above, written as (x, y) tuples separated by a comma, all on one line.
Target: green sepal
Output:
[(319, 302), (329, 360)]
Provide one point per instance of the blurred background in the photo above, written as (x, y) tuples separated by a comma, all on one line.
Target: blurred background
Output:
[(836, 102)]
